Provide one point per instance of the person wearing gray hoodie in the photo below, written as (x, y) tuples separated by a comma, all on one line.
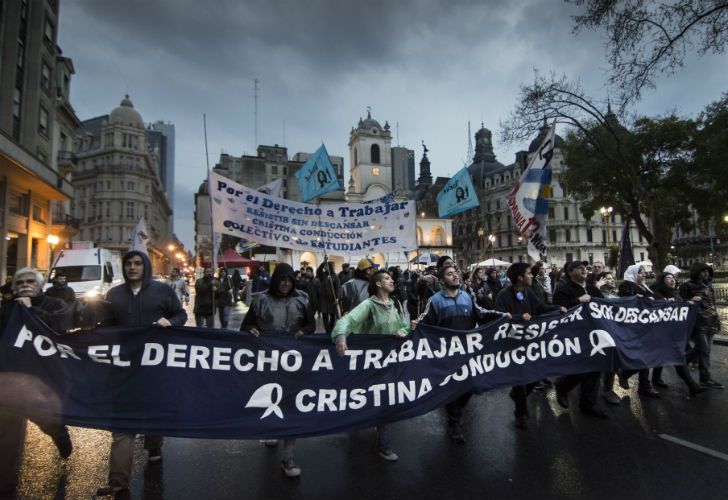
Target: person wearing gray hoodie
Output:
[(139, 301)]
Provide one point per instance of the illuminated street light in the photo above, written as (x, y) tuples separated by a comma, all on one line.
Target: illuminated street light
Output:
[(52, 239)]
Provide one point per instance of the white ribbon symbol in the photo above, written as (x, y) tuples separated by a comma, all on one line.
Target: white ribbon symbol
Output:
[(267, 396), (599, 340)]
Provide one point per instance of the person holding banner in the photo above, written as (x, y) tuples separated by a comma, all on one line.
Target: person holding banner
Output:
[(281, 308), (140, 301), (205, 290), (523, 304), (27, 285), (571, 292), (454, 309), (634, 285), (328, 290), (665, 289), (377, 315)]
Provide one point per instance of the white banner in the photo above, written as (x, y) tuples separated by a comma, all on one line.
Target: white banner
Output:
[(353, 228)]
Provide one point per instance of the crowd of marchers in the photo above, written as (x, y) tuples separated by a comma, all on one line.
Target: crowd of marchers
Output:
[(360, 300)]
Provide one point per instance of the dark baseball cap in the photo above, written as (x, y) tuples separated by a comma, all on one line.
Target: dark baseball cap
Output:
[(570, 266)]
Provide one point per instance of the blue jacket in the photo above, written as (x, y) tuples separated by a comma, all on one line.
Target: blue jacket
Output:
[(456, 313)]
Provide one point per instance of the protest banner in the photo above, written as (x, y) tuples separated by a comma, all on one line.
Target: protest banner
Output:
[(356, 228), (194, 382)]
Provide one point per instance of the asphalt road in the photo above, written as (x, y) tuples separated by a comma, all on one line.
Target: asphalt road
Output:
[(563, 454)]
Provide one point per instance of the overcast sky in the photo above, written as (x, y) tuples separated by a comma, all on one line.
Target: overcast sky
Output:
[(429, 66)]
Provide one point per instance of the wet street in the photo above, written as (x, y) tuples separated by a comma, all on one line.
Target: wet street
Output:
[(563, 454)]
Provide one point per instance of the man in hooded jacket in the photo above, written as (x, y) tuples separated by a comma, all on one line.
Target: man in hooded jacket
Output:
[(61, 290), (700, 290), (281, 308), (139, 301)]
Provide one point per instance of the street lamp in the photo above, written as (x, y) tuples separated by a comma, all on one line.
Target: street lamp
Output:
[(52, 240), (607, 215), (171, 248), (491, 239)]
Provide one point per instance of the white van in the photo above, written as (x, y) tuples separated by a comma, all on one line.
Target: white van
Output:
[(89, 271)]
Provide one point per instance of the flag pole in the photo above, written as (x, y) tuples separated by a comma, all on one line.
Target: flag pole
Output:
[(213, 259)]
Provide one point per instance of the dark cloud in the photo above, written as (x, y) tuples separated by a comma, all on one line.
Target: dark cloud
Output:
[(425, 66)]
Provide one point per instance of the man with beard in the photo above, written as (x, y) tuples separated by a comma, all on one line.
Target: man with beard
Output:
[(573, 291), (281, 308), (523, 303), (140, 301), (60, 289), (453, 308), (28, 291)]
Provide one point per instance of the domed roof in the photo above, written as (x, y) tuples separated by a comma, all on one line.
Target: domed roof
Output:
[(369, 123), (536, 143), (125, 114)]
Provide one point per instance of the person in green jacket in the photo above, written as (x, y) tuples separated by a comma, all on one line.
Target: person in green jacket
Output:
[(376, 315)]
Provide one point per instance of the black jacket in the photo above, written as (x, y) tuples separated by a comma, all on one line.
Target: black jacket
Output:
[(568, 292), (708, 319), (64, 293), (507, 301), (155, 300), (630, 289)]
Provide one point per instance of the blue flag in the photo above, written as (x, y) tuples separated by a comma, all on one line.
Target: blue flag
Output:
[(458, 195), (317, 176)]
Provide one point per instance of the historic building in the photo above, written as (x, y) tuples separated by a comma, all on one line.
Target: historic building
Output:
[(36, 131), (118, 182), (488, 231), (370, 161)]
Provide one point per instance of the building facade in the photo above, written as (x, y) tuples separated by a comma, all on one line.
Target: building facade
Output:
[(488, 230), (370, 161), (403, 169), (118, 182), (36, 134), (161, 141)]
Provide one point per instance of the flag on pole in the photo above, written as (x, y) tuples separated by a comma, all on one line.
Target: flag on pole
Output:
[(317, 176), (528, 199), (273, 188), (458, 195), (626, 257), (140, 237)]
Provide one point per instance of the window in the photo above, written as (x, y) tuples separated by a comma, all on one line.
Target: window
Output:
[(566, 213), (130, 186), (375, 153), (146, 188), (552, 235), (567, 235), (129, 209), (49, 34), (375, 171), (17, 97), (108, 209), (43, 121), (589, 236), (569, 257), (17, 204), (642, 256), (552, 213), (108, 185), (356, 157), (45, 76), (274, 170), (614, 235), (604, 236)]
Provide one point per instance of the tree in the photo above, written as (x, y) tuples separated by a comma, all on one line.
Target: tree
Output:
[(643, 173), (645, 39)]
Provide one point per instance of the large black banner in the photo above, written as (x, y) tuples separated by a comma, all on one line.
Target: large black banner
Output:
[(194, 382)]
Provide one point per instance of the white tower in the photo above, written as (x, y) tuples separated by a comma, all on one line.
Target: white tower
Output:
[(370, 160)]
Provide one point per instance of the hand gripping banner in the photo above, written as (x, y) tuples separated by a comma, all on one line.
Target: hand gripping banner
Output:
[(202, 383)]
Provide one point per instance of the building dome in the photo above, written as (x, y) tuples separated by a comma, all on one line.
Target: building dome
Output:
[(369, 123), (536, 143), (125, 114)]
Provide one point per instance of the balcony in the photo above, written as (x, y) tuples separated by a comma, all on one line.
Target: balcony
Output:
[(64, 225), (67, 162)]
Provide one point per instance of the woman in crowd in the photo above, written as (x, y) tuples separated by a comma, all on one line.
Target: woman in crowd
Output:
[(376, 315), (607, 285), (634, 285), (665, 288)]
